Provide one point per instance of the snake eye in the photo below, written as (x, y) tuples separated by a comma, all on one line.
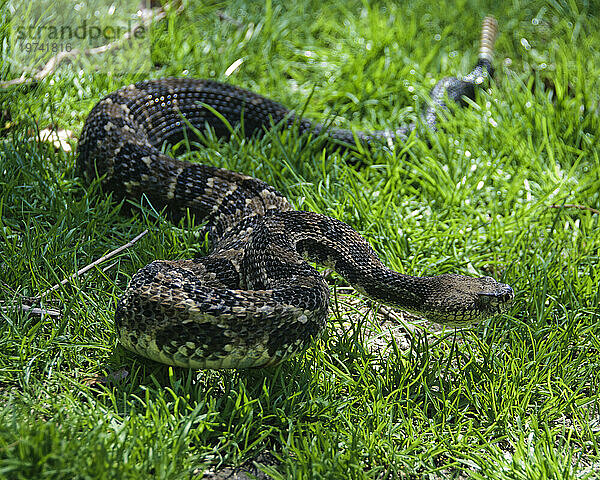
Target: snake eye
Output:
[(485, 297)]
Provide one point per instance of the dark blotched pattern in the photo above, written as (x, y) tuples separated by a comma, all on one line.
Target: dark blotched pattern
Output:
[(254, 300)]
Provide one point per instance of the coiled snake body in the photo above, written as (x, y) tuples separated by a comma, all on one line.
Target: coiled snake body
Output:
[(254, 300)]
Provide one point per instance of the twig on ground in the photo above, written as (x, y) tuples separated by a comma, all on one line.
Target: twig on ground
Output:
[(35, 310), (57, 313), (93, 264), (579, 207)]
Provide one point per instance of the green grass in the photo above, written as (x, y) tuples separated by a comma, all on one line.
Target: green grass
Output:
[(513, 398)]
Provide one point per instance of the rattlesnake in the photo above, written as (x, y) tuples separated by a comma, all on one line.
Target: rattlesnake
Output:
[(254, 300)]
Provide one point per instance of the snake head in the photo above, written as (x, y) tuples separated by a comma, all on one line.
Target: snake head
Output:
[(496, 297), (460, 300)]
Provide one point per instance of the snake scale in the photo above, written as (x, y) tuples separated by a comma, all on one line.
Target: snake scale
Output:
[(255, 300)]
